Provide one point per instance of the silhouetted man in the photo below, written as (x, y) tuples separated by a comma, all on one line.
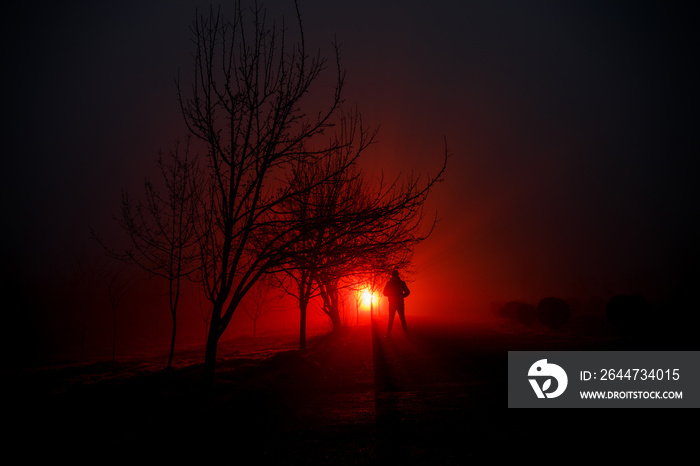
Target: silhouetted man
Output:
[(396, 290)]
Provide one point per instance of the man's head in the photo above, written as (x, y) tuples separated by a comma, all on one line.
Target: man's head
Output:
[(395, 274)]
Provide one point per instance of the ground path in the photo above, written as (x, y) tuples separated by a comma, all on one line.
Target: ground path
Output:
[(409, 398), (436, 397)]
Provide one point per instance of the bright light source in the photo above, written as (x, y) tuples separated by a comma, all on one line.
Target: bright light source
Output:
[(367, 297)]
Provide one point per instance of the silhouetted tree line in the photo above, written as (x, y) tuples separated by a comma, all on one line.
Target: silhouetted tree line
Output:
[(630, 315), (551, 312), (273, 190)]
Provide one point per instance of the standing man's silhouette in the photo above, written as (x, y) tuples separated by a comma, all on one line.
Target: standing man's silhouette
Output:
[(396, 290)]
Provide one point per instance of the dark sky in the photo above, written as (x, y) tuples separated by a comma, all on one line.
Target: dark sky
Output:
[(572, 128)]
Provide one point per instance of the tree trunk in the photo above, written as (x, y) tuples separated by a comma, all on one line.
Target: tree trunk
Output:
[(334, 300), (212, 344), (302, 324), (335, 318), (210, 355), (331, 303), (172, 343)]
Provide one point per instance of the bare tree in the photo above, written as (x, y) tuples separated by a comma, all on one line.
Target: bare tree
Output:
[(257, 302), (161, 227), (321, 191), (298, 282), (352, 228), (379, 226), (245, 102)]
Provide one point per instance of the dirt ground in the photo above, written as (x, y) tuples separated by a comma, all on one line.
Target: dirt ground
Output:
[(436, 397)]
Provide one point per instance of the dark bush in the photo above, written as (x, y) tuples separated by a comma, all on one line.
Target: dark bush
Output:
[(519, 311), (553, 312), (629, 314), (495, 308)]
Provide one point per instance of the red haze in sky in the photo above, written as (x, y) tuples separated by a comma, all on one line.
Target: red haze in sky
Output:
[(570, 129)]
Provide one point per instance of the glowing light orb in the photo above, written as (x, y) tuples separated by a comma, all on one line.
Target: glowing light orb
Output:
[(367, 298)]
